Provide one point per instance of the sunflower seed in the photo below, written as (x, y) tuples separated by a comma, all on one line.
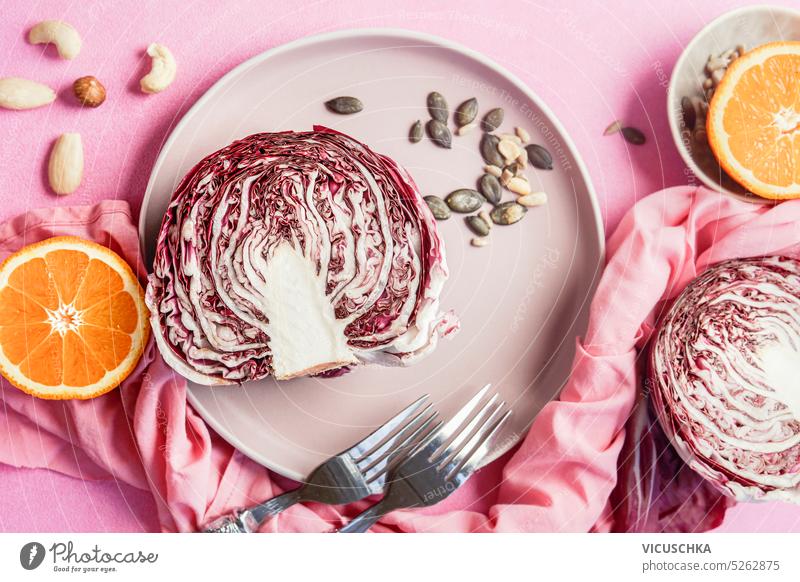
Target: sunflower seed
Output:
[(539, 157), (493, 170), (506, 176), (508, 213), (519, 186), (437, 106), (464, 200), (493, 119), (467, 112), (523, 134), (344, 105), (613, 128), (479, 241), (489, 150), (522, 158), (533, 199), (438, 208), (415, 133), (689, 113), (439, 133), (510, 137), (633, 135), (477, 225), (465, 129), (490, 187), (508, 149)]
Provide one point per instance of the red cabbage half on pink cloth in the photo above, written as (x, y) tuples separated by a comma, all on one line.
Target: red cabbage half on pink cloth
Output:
[(296, 253), (725, 368)]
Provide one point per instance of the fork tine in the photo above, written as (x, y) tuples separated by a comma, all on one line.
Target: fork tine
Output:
[(438, 437), (370, 443), (392, 457), (465, 431), (466, 461), (368, 459)]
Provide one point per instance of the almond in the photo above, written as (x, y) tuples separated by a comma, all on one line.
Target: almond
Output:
[(17, 93), (65, 169)]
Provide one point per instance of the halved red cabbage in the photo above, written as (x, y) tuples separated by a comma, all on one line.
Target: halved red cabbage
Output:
[(725, 367), (295, 253)]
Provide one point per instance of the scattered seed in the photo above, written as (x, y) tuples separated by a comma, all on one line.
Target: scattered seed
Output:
[(493, 119), (519, 186), (464, 200), (716, 77), (437, 106), (522, 134), (490, 187), (489, 151), (689, 113), (477, 225), (508, 149), (511, 137), (439, 133), (493, 170), (465, 129), (522, 158), (533, 199), (486, 218), (438, 207), (707, 83), (508, 213), (613, 128), (633, 135), (344, 105), (415, 134), (480, 241), (539, 157), (506, 176), (467, 112)]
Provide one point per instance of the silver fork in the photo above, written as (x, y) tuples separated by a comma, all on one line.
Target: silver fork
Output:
[(354, 474), (441, 462)]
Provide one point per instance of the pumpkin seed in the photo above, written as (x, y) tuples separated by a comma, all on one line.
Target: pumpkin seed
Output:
[(613, 127), (437, 106), (477, 225), (464, 200), (486, 218), (508, 213), (415, 133), (344, 105), (493, 119), (489, 151), (439, 133), (633, 135), (490, 187), (438, 208), (689, 113), (539, 157), (467, 112)]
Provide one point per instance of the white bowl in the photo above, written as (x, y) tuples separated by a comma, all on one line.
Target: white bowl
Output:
[(751, 26)]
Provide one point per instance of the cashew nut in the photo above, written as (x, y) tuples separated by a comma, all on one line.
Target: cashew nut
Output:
[(16, 93), (61, 34), (162, 69)]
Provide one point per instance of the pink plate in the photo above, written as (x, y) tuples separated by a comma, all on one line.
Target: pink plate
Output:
[(521, 300)]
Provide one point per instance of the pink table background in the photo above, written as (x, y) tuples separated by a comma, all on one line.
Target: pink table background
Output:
[(592, 62)]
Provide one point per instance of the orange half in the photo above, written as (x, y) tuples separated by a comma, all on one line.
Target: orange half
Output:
[(73, 322), (754, 120)]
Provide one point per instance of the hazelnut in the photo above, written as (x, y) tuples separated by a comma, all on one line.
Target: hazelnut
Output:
[(89, 91)]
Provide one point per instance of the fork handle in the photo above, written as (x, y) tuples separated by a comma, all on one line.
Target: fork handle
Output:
[(250, 519), (367, 518)]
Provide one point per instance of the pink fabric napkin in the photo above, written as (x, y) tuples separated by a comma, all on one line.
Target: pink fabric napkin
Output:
[(559, 478)]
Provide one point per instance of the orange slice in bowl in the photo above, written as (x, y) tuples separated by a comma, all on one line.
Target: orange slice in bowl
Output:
[(754, 120), (73, 322)]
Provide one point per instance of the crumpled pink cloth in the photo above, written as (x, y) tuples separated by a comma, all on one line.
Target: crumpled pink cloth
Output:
[(558, 479)]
